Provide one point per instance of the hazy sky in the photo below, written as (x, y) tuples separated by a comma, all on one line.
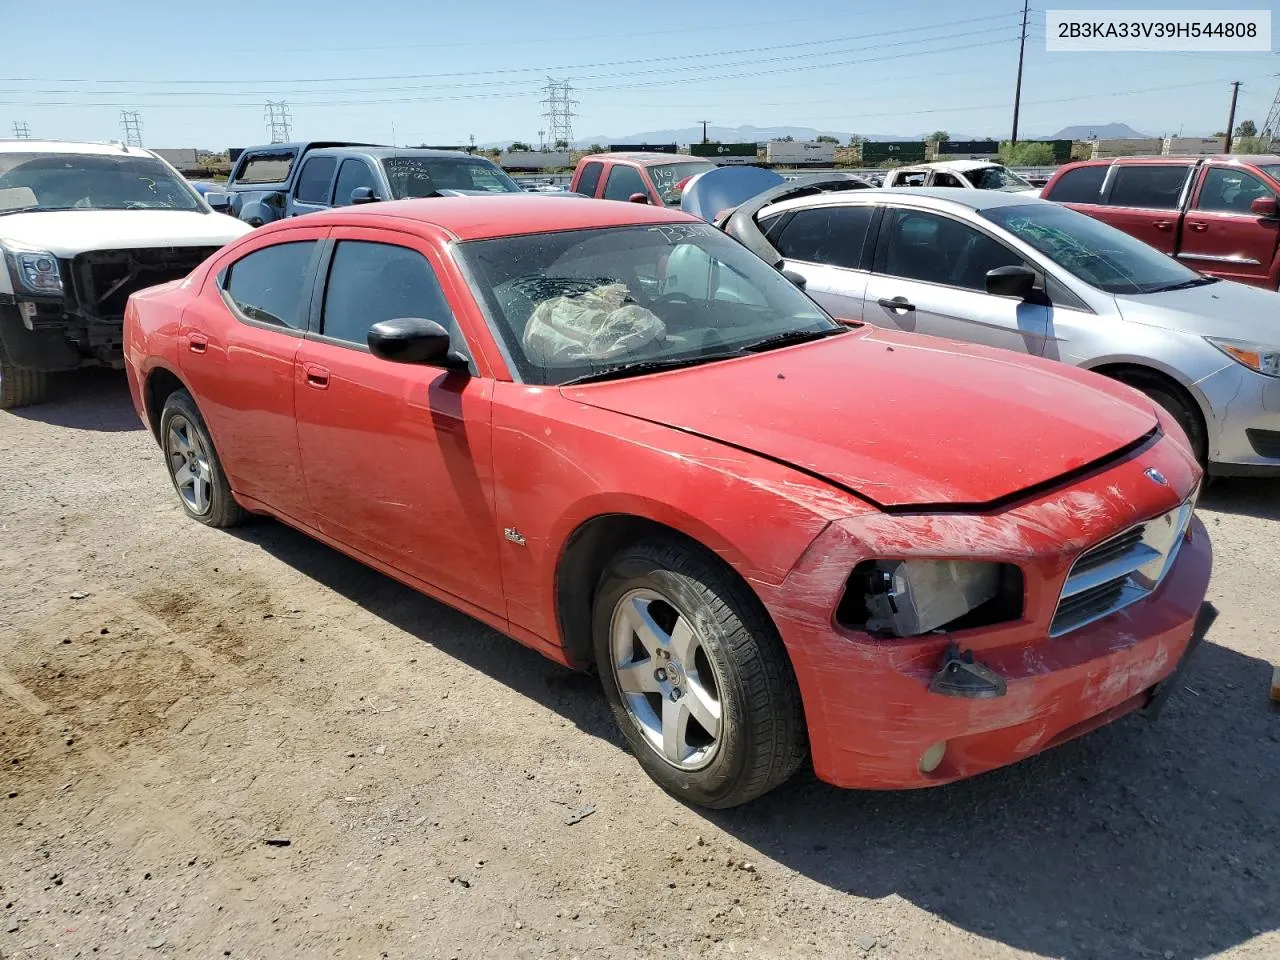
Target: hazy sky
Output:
[(439, 72)]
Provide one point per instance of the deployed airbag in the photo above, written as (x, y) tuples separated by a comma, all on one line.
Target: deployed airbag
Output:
[(595, 325)]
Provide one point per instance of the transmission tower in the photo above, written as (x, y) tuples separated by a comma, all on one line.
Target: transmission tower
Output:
[(1271, 129), (21, 131), (131, 124), (278, 120), (557, 98)]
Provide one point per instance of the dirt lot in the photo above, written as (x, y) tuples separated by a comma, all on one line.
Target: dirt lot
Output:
[(174, 699)]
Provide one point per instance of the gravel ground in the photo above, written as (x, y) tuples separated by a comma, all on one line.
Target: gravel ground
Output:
[(244, 745)]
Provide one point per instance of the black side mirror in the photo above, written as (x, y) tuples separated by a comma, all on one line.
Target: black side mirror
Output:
[(1012, 281), (638, 198), (363, 195), (795, 278), (414, 340)]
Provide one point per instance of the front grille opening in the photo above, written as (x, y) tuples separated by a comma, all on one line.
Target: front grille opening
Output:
[(853, 611), (1265, 443), (105, 279), (1091, 603), (1110, 550)]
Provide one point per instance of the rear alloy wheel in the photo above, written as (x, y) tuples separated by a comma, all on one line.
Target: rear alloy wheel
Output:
[(20, 386), (696, 675), (193, 464)]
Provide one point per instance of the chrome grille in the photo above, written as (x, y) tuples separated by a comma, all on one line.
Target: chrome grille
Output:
[(1121, 571)]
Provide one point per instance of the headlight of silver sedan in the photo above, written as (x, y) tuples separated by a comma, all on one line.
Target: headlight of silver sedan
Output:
[(1256, 356)]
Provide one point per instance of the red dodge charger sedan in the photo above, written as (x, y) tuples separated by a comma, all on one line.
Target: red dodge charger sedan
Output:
[(611, 432)]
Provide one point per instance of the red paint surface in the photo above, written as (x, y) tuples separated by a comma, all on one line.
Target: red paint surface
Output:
[(418, 471)]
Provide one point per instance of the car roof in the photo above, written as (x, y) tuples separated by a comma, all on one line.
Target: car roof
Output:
[(939, 197), (644, 159), (386, 153), (98, 148), (961, 165), (503, 215)]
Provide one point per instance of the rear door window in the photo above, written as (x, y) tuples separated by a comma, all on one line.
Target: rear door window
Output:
[(270, 285), (590, 179), (1150, 186), (1081, 185), (831, 235), (314, 179)]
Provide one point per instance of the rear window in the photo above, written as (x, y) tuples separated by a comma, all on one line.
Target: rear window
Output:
[(267, 167), (270, 284), (1148, 185), (590, 179), (1081, 185)]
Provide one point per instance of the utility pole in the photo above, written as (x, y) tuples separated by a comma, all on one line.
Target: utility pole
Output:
[(704, 129), (1017, 90), (1231, 117), (21, 131)]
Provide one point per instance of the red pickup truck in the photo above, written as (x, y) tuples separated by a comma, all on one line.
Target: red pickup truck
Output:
[(639, 177), (1218, 215)]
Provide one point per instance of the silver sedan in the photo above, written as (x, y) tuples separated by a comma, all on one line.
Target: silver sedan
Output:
[(1031, 276)]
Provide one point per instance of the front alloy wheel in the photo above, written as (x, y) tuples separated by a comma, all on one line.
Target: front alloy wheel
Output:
[(696, 675)]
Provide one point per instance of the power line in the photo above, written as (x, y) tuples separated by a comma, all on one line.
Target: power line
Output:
[(558, 69), (131, 124), (278, 120)]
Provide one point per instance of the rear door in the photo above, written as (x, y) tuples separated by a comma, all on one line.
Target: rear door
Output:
[(828, 246), (588, 182), (1221, 235), (313, 187), (1145, 200), (238, 342), (397, 457), (929, 276)]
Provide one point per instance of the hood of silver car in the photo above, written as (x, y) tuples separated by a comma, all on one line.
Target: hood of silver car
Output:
[(1222, 309)]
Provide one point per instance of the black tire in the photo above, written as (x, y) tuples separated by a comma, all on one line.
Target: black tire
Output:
[(180, 420), (762, 738), (1181, 407), (20, 386)]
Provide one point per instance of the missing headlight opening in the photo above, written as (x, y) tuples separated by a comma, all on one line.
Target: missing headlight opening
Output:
[(906, 598)]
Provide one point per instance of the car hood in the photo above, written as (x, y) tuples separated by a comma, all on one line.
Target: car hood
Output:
[(65, 233), (903, 421), (1222, 309)]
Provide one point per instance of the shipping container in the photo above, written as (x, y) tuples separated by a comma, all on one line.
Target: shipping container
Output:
[(533, 159), (725, 154), (968, 149), (1193, 146), (643, 148), (800, 152), (875, 152)]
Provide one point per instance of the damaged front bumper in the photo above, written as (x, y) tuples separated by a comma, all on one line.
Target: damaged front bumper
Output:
[(83, 325), (894, 713)]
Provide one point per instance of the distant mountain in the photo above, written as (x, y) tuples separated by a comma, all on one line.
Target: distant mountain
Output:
[(1101, 131)]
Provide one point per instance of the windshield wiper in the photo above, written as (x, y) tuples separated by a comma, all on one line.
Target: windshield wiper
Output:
[(1186, 284), (36, 207), (650, 366), (790, 337)]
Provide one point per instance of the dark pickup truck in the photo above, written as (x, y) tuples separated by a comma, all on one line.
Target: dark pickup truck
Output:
[(288, 179), (1218, 215)]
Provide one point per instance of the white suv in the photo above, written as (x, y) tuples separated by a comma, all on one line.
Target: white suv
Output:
[(82, 226)]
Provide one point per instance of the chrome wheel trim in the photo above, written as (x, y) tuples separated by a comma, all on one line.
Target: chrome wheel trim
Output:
[(668, 682), (189, 465)]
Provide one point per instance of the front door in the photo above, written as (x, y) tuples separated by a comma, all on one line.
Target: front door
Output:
[(929, 276), (237, 345), (1222, 236), (396, 456)]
